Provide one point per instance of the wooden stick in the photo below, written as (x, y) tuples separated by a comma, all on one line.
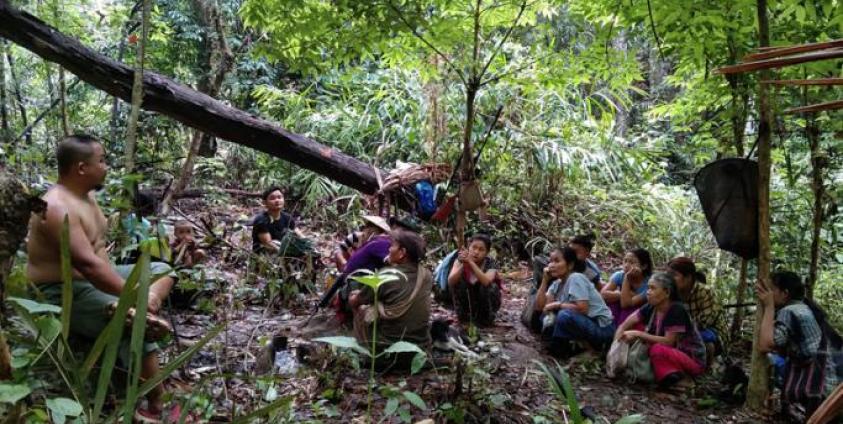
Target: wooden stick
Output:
[(834, 53), (789, 50), (834, 105), (817, 81)]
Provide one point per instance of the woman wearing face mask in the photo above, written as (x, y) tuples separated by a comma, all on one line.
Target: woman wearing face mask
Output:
[(474, 283), (676, 348), (581, 315), (797, 328), (627, 289)]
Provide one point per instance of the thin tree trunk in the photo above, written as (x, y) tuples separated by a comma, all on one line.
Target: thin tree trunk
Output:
[(467, 170), (818, 163), (758, 389), (436, 123), (5, 131), (121, 51), (739, 112), (219, 60), (735, 330), (5, 359), (137, 92), (16, 90), (65, 120)]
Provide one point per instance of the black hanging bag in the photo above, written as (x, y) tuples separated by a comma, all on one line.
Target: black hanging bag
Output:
[(728, 191)]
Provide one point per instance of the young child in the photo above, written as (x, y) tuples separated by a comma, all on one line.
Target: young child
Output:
[(185, 250)]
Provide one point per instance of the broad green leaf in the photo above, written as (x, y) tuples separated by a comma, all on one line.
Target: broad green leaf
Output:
[(418, 362), (415, 400), (402, 346), (631, 419), (391, 407), (12, 393), (344, 342), (34, 307), (64, 407)]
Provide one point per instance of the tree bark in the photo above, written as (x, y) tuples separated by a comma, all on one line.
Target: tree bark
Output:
[(218, 59), (818, 163), (436, 127), (758, 389), (137, 91), (184, 104), (121, 51), (5, 131), (5, 359), (16, 89), (735, 330)]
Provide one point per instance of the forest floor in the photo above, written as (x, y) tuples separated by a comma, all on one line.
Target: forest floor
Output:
[(233, 374)]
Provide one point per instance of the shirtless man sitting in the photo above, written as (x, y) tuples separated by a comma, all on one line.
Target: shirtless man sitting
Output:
[(96, 283)]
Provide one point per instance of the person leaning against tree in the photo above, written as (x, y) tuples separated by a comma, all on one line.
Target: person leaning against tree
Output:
[(96, 283), (474, 283), (798, 328)]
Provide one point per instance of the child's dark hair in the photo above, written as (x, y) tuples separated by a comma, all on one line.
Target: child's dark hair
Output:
[(570, 256), (584, 240), (790, 283), (686, 267), (481, 237), (270, 190), (645, 260)]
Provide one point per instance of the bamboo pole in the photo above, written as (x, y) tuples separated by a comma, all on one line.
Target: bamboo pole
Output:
[(833, 105), (768, 53), (816, 81), (834, 53)]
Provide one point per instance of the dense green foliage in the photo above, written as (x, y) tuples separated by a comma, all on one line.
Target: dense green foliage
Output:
[(609, 108)]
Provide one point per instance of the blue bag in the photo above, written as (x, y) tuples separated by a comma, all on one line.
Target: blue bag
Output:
[(426, 199)]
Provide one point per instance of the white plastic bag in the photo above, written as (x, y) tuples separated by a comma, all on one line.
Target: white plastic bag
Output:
[(616, 359)]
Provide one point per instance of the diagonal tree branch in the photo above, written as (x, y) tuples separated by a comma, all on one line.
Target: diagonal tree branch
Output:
[(427, 43)]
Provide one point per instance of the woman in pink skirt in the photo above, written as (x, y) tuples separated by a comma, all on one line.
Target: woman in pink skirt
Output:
[(676, 348)]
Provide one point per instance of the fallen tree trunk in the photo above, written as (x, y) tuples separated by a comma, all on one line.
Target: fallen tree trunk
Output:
[(197, 110)]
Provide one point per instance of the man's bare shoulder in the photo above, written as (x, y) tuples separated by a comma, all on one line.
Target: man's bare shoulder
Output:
[(59, 204)]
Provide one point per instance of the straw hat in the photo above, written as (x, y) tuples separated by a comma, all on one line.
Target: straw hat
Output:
[(377, 222)]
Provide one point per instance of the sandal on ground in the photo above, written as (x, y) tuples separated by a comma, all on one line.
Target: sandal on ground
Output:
[(156, 327)]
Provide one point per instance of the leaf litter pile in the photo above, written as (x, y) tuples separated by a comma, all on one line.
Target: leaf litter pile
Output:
[(236, 373)]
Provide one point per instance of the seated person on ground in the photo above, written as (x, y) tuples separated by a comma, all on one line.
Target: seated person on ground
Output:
[(274, 230), (374, 247), (702, 305), (404, 304), (474, 283), (346, 248), (676, 348), (627, 289), (568, 307), (797, 328), (184, 248), (583, 244), (96, 284)]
